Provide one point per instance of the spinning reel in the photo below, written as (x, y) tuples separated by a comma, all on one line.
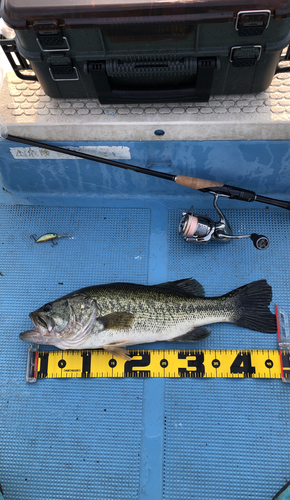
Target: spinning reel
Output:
[(192, 227), (202, 229)]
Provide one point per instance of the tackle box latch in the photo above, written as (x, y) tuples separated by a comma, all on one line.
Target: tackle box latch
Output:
[(199, 72), (62, 69), (252, 22), (49, 37), (244, 56)]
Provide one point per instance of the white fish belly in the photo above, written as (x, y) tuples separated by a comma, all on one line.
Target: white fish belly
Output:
[(145, 335)]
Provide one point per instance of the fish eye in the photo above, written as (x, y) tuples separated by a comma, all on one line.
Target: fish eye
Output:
[(47, 307)]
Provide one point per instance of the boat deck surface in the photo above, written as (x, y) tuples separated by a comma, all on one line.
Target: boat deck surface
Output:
[(140, 438)]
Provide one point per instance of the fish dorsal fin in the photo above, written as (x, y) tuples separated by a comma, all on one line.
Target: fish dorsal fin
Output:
[(188, 286)]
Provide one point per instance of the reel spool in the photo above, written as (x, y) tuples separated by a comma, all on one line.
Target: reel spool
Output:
[(201, 229)]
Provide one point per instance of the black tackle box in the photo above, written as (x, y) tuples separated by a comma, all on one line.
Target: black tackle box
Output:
[(136, 51)]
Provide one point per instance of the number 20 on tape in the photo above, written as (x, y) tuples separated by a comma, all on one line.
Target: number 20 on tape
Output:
[(159, 363)]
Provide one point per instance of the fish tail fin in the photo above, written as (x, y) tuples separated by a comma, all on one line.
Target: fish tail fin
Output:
[(252, 307)]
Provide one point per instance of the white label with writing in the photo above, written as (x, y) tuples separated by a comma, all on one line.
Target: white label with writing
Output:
[(110, 152)]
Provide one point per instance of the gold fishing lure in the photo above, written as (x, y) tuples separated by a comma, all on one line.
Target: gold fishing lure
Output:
[(50, 236)]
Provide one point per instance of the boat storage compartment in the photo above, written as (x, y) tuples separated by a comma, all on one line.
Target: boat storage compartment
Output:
[(134, 52)]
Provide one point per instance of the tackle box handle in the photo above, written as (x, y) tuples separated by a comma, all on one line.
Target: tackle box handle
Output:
[(285, 58), (9, 46), (203, 68)]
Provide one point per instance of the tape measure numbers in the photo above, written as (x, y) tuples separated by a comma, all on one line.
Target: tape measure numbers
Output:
[(159, 363)]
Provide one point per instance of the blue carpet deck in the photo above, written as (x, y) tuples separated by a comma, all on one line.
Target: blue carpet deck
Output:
[(133, 439)]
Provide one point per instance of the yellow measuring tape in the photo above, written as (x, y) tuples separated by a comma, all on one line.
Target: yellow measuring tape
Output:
[(159, 363)]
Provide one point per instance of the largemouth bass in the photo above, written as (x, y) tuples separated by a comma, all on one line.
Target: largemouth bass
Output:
[(121, 314)]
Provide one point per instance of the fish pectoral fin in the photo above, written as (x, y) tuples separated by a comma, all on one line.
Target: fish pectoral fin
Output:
[(118, 351), (193, 335), (117, 320)]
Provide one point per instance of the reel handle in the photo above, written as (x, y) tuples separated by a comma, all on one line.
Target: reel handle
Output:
[(260, 241)]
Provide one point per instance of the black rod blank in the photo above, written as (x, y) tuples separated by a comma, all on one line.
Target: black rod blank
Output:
[(230, 191), (85, 156)]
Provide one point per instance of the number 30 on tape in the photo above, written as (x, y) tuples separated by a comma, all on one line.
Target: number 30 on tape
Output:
[(158, 363)]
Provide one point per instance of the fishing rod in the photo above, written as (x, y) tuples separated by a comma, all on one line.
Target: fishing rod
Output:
[(190, 182), (192, 227)]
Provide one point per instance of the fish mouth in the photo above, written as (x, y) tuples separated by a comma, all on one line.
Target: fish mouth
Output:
[(43, 326)]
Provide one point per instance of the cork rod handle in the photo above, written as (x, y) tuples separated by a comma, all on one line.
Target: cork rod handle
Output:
[(194, 183)]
